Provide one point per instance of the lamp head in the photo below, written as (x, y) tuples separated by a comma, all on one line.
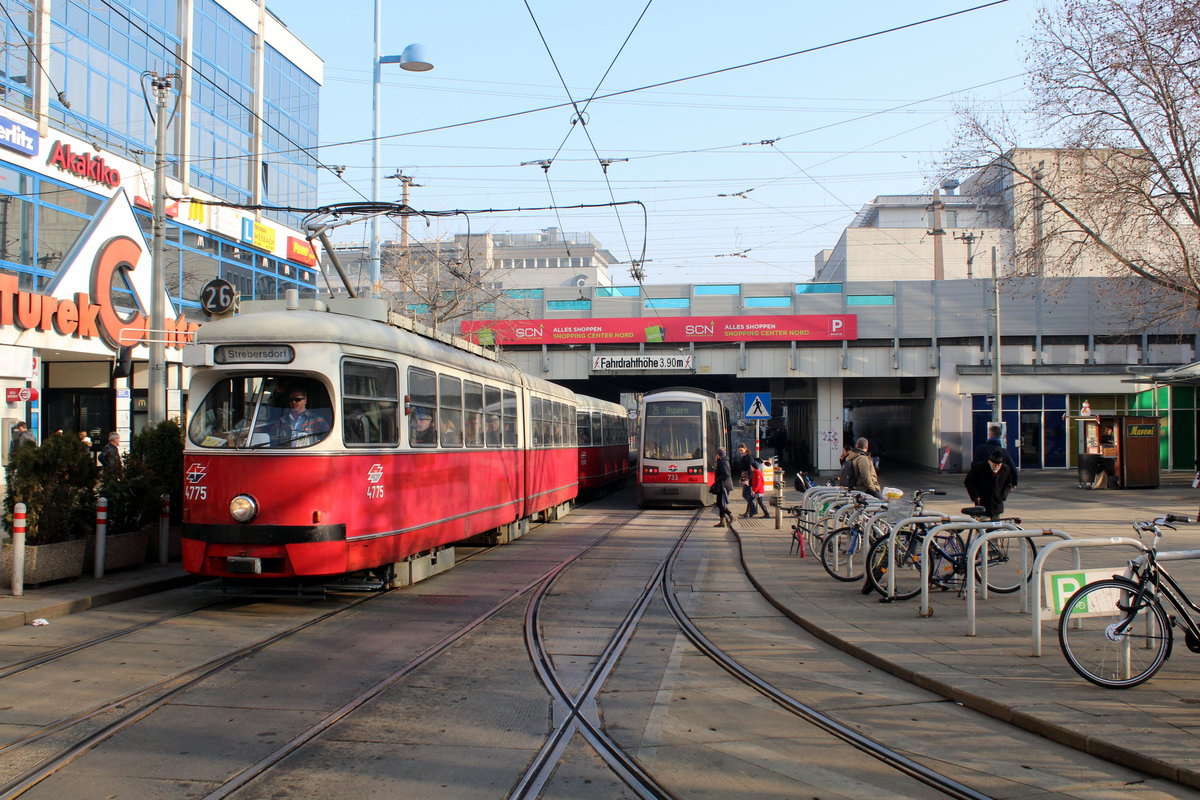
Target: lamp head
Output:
[(413, 59)]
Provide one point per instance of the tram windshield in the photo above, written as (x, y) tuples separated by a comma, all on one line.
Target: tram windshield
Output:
[(672, 430), (262, 411)]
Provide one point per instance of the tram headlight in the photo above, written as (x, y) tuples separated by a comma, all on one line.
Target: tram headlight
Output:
[(243, 508)]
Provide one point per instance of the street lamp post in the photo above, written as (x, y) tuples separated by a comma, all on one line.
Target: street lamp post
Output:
[(997, 409), (413, 60)]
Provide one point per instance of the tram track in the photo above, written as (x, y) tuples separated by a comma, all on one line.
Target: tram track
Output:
[(139, 703), (579, 714)]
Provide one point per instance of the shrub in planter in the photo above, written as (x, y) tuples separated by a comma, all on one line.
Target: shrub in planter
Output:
[(56, 481), (152, 467)]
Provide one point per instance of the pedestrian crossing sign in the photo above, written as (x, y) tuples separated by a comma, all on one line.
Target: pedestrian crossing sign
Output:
[(758, 405)]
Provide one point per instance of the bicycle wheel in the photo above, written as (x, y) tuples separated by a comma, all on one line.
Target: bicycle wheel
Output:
[(842, 554), (907, 567), (1101, 647), (1004, 572)]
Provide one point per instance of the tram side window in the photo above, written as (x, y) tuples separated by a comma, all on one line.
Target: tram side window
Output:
[(585, 428), (536, 423), (370, 403), (422, 408), (509, 419), (450, 416), (556, 423), (473, 413), (492, 419)]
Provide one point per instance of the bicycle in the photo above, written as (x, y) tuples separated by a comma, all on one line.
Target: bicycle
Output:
[(1115, 632), (948, 560), (839, 547)]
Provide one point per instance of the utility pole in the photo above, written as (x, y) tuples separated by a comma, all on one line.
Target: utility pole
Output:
[(157, 384), (939, 270), (997, 407), (969, 238)]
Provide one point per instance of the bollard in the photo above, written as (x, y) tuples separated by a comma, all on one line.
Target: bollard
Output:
[(101, 535), (778, 497), (18, 550), (164, 528)]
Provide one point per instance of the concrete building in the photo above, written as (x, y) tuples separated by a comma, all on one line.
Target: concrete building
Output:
[(77, 149)]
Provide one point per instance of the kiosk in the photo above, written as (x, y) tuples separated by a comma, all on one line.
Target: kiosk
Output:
[(1118, 452)]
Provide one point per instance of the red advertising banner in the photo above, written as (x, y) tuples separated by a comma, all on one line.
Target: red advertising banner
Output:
[(789, 328)]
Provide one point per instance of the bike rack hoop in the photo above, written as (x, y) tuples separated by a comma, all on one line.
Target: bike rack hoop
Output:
[(973, 551), (923, 609), (1040, 561)]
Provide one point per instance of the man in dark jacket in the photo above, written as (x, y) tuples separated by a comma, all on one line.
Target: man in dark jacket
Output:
[(994, 442), (989, 481), (110, 456), (21, 436)]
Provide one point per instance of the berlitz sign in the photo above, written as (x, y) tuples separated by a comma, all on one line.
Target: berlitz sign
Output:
[(84, 165), (15, 136)]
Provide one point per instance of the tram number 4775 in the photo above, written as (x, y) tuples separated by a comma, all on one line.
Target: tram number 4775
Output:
[(195, 492)]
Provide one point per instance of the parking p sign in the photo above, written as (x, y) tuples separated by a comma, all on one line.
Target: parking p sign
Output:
[(1062, 584)]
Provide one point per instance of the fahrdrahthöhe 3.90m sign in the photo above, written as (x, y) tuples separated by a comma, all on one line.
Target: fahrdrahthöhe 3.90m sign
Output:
[(782, 328)]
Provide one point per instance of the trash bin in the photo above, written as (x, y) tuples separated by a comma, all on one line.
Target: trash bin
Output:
[(1089, 466)]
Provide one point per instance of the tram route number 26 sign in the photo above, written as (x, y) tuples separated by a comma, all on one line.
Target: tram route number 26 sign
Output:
[(218, 296)]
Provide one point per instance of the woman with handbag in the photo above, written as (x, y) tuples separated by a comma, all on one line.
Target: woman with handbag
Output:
[(721, 487)]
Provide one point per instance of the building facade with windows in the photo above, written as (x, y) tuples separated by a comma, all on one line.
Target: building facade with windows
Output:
[(77, 148)]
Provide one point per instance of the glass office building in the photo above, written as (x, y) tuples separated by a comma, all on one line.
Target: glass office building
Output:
[(77, 141)]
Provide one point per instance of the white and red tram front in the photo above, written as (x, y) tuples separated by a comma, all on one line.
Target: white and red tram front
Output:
[(410, 445), (680, 431)]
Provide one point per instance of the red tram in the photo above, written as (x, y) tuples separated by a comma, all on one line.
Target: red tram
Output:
[(324, 441), (603, 444)]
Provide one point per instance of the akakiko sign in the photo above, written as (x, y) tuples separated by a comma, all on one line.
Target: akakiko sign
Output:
[(85, 165), (782, 328)]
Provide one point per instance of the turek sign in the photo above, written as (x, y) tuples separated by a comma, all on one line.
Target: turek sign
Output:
[(111, 251)]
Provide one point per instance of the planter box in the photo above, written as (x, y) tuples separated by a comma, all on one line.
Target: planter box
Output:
[(46, 562), (120, 550)]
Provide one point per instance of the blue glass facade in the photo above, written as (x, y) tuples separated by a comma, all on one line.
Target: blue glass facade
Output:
[(94, 90), (290, 112), (222, 95), (41, 219)]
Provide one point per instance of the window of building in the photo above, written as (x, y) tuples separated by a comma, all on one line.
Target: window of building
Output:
[(718, 289), (568, 305), (818, 288), (524, 294), (767, 302), (870, 300), (667, 302), (618, 291)]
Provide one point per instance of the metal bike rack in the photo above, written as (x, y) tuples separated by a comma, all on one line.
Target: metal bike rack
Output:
[(973, 551), (923, 610), (1039, 562), (901, 525)]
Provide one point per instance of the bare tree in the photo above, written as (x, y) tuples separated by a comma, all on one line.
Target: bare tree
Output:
[(1115, 86), (437, 285)]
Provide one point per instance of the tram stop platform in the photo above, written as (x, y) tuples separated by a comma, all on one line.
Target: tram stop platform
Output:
[(1153, 728)]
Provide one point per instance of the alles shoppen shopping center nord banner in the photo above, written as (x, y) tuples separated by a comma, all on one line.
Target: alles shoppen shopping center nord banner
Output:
[(633, 330)]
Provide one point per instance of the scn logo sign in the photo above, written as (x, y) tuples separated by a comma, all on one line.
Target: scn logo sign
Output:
[(529, 333), (706, 329)]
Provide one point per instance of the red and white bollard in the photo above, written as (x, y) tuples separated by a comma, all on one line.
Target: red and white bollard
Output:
[(18, 550), (164, 528), (101, 535)]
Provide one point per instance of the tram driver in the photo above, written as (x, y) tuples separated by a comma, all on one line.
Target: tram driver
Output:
[(300, 426)]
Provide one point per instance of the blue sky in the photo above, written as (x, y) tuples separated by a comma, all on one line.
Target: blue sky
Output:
[(842, 137)]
